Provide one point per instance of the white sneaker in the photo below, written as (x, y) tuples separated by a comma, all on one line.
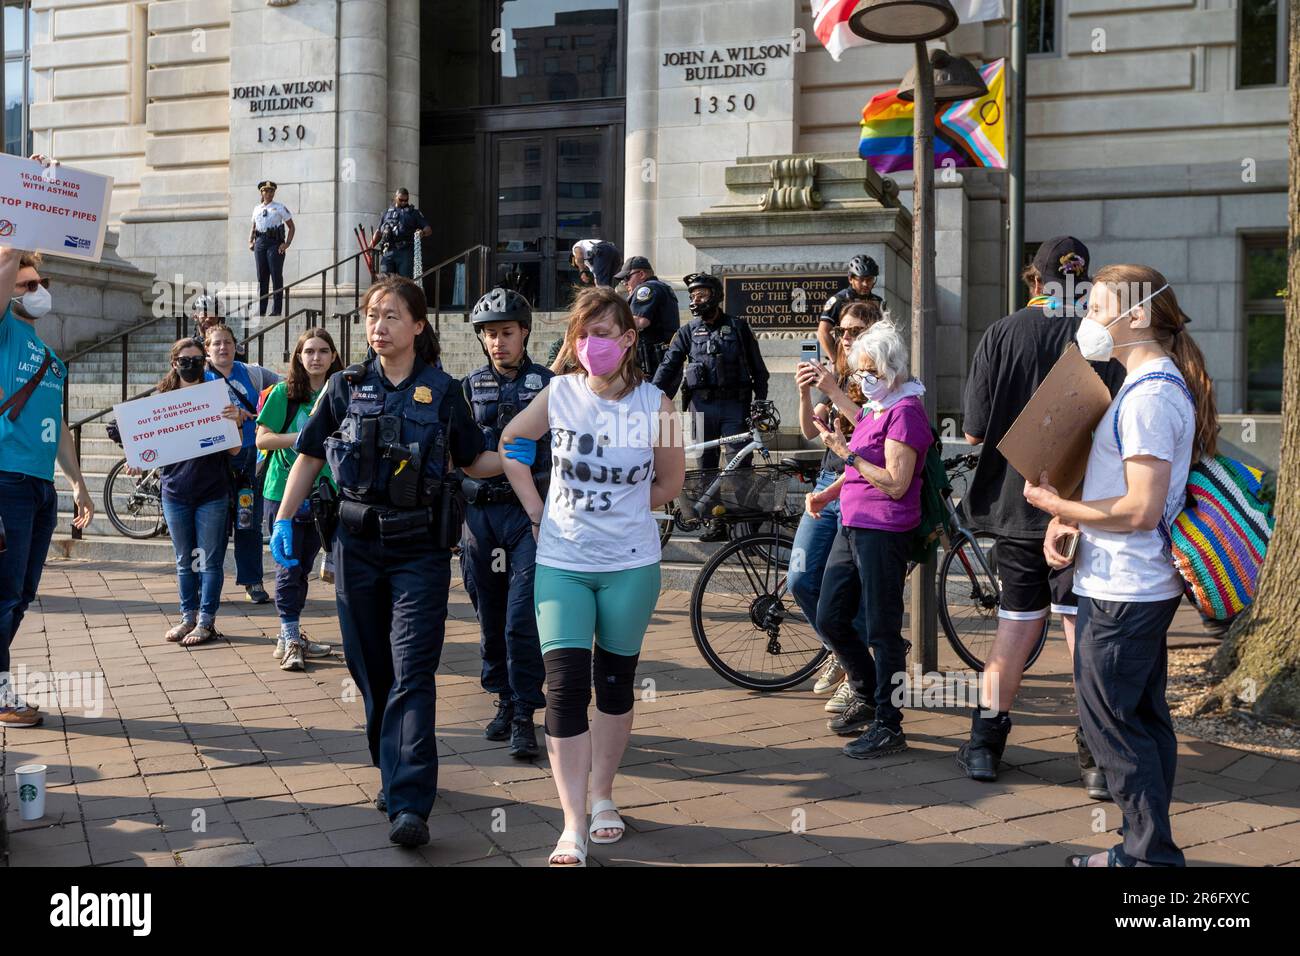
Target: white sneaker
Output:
[(278, 653), (312, 649), (840, 700), (293, 659), (831, 675)]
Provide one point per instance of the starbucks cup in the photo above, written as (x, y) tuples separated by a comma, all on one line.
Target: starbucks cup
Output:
[(31, 791)]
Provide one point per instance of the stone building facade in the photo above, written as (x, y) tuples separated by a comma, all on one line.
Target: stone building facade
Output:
[(525, 124)]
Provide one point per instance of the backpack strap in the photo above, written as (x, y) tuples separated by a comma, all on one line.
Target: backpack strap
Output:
[(1163, 527)]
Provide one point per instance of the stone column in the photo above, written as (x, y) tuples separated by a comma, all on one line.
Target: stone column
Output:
[(641, 149), (404, 96), (362, 194)]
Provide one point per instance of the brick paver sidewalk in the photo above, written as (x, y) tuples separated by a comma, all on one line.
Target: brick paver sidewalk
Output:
[(274, 765)]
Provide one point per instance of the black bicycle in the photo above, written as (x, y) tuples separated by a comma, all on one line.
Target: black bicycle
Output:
[(133, 502)]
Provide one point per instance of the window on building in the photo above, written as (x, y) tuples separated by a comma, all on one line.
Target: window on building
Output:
[(18, 76), (586, 64), (1265, 322), (555, 43), (559, 26), (1042, 27), (1262, 43), (552, 65)]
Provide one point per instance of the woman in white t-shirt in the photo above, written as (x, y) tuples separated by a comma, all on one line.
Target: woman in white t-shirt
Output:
[(1162, 420), (616, 456)]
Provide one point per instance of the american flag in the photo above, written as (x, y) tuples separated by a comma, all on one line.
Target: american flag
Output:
[(831, 20)]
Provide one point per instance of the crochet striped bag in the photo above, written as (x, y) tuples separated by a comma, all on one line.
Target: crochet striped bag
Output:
[(1218, 541)]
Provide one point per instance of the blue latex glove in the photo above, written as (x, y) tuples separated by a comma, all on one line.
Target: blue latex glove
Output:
[(522, 450), (282, 543)]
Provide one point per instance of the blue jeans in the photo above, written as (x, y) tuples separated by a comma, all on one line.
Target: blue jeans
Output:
[(813, 540), (199, 540), (29, 509), (248, 543)]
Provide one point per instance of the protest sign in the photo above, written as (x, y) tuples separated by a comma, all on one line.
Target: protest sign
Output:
[(1053, 433), (56, 209), (176, 426)]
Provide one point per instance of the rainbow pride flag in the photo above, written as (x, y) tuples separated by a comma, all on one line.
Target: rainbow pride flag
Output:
[(967, 133)]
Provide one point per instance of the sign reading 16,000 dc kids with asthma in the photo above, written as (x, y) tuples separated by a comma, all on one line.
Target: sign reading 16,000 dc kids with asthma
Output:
[(55, 209), (176, 426)]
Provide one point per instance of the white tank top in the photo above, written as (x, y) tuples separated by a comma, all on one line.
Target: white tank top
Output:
[(597, 515)]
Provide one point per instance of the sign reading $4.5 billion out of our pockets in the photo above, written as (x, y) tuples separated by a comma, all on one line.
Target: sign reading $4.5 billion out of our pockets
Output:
[(55, 209), (176, 426)]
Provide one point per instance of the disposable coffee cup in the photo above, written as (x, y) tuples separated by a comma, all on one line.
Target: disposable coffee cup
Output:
[(31, 791)]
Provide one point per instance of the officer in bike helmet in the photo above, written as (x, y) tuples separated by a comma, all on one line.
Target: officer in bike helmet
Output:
[(715, 360), (863, 273), (498, 550)]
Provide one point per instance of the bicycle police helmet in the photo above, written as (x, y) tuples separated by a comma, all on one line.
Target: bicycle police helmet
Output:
[(862, 267), (502, 305), (704, 280)]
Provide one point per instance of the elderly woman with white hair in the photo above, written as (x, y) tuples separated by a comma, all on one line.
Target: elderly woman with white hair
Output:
[(880, 507)]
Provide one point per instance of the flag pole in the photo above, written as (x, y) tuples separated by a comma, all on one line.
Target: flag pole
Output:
[(922, 608), (1016, 152)]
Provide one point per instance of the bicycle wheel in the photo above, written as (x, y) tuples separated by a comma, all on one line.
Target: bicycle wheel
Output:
[(133, 502), (744, 621), (968, 601)]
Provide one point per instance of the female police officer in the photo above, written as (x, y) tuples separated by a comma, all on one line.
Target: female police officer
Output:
[(388, 427)]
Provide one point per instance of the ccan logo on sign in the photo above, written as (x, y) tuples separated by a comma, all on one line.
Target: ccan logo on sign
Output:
[(76, 242), (212, 441)]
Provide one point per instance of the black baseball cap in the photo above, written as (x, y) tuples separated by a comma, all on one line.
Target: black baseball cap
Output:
[(632, 265), (1061, 255)]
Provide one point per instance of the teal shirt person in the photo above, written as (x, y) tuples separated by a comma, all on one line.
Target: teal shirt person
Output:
[(29, 445)]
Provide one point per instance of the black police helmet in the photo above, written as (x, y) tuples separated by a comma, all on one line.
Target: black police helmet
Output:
[(502, 305), (704, 280), (862, 267)]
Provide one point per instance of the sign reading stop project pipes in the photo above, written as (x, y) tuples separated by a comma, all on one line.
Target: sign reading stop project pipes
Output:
[(176, 426), (54, 209)]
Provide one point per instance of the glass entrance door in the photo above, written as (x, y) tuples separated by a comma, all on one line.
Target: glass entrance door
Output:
[(552, 188)]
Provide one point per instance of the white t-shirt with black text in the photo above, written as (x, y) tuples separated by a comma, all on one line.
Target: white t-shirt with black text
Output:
[(1156, 419)]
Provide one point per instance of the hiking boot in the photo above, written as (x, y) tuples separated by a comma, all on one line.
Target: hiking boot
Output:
[(856, 718), (293, 659), (830, 676), (498, 727), (979, 757), (840, 699), (523, 737), (878, 741), (1093, 777)]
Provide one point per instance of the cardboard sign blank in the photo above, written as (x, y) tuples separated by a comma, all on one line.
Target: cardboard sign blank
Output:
[(1053, 433)]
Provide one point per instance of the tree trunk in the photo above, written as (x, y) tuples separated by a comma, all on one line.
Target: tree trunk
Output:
[(1259, 663)]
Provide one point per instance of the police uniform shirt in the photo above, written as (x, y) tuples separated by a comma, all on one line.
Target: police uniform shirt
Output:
[(404, 221), (482, 388), (835, 304), (466, 441), (270, 215), (684, 345), (655, 300)]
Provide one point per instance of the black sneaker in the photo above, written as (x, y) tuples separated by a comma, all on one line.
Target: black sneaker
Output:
[(978, 763), (409, 830), (878, 741), (1093, 777), (381, 803), (979, 757), (717, 531), (856, 718), (523, 737), (498, 727)]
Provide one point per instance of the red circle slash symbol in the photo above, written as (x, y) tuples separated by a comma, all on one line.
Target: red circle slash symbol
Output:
[(148, 455)]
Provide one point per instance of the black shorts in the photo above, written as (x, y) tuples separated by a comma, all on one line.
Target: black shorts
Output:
[(1030, 588)]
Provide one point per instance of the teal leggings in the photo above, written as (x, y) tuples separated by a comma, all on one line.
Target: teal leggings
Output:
[(615, 606)]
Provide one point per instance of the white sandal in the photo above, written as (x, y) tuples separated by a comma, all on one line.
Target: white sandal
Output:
[(579, 849), (606, 806)]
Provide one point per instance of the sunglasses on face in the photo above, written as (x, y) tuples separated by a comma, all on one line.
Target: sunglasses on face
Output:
[(32, 284), (848, 334)]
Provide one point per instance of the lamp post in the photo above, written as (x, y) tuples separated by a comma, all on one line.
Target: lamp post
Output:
[(915, 22)]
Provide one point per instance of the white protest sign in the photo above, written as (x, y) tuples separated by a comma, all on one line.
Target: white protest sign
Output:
[(56, 209), (176, 426)]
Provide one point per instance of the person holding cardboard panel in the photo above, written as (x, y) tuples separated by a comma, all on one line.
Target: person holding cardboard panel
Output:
[(1136, 482), (1013, 358), (196, 503), (33, 435)]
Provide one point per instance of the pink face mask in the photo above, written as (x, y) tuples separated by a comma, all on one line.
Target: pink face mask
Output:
[(600, 356)]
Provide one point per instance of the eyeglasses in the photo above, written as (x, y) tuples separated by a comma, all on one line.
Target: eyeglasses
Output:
[(848, 334), (31, 284)]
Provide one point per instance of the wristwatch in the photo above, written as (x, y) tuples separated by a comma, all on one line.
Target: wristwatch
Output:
[(850, 458)]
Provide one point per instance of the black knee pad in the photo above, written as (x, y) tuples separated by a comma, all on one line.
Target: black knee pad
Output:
[(614, 676), (568, 691)]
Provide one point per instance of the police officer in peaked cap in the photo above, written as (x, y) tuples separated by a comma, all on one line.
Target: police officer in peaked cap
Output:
[(498, 552), (654, 306), (391, 428)]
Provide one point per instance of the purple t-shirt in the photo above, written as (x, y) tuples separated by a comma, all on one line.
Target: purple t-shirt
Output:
[(862, 504)]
